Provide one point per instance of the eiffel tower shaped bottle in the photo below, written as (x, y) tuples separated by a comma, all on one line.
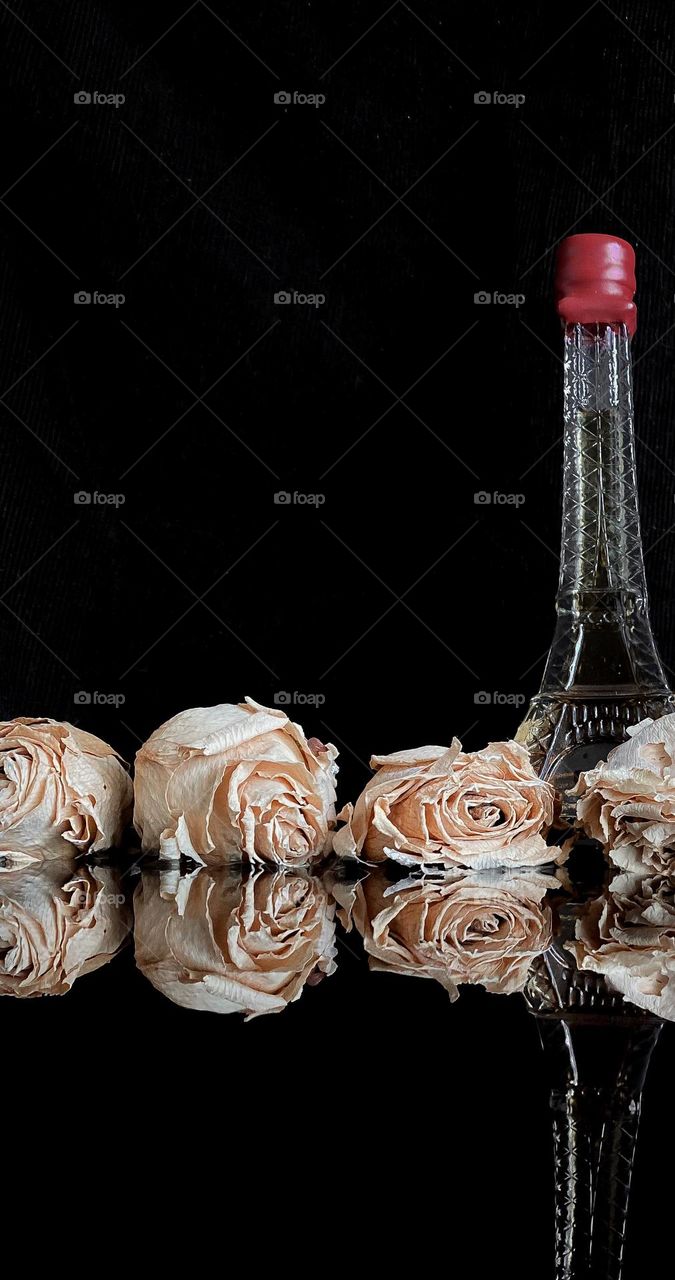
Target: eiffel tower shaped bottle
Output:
[(603, 672)]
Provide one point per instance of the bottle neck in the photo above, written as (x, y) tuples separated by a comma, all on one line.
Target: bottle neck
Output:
[(601, 563), (603, 640), (603, 672)]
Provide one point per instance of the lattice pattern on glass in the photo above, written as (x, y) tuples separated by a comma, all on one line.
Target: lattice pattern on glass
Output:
[(603, 672)]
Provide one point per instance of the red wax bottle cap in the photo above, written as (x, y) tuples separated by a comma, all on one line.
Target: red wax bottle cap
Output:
[(595, 281)]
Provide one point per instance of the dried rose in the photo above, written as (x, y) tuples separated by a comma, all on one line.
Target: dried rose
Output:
[(225, 943), (628, 801), (462, 927), (58, 922), (475, 809), (57, 780), (220, 783), (628, 936)]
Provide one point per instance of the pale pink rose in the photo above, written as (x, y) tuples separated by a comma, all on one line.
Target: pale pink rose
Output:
[(223, 783), (223, 942), (57, 780), (481, 927), (628, 936), (429, 805), (58, 922), (628, 801)]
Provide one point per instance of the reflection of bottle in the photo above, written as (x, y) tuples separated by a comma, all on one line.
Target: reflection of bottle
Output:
[(597, 1051), (603, 672)]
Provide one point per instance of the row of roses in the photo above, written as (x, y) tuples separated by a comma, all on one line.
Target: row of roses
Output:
[(226, 941), (223, 783)]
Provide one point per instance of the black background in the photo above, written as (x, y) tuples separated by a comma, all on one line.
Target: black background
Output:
[(397, 399)]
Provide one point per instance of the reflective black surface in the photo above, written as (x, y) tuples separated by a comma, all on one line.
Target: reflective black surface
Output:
[(445, 1018)]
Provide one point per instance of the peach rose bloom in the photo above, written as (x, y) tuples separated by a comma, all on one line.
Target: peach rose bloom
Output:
[(628, 936), (57, 780), (480, 928), (477, 809), (223, 783), (58, 922), (223, 942), (628, 801)]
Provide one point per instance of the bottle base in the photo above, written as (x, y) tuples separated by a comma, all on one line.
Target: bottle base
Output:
[(569, 733)]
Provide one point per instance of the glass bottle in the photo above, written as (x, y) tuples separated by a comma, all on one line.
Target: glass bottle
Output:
[(597, 1050), (603, 672)]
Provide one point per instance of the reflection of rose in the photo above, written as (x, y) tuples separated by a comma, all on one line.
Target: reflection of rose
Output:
[(477, 809), (480, 927), (218, 941), (628, 935), (58, 780), (219, 783), (58, 922), (628, 801)]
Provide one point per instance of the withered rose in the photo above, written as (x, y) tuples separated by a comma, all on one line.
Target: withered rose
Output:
[(475, 809), (220, 783), (462, 927), (628, 936), (58, 922), (227, 943), (57, 780), (628, 801)]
